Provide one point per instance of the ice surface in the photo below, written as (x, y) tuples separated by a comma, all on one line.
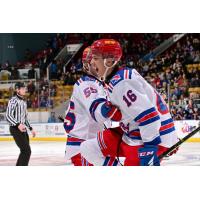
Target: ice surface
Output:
[(52, 154)]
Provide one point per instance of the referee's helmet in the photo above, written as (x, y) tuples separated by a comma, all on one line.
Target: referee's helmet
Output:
[(19, 85)]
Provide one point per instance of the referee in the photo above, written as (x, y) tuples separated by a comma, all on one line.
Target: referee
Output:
[(16, 115)]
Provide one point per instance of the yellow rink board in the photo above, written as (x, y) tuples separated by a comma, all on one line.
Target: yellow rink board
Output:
[(60, 139)]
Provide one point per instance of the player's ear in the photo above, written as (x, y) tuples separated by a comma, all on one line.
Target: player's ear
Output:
[(110, 62)]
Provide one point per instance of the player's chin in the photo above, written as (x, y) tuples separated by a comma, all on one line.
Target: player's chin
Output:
[(94, 73)]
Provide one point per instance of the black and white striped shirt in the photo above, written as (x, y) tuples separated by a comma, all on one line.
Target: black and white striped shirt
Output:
[(16, 112)]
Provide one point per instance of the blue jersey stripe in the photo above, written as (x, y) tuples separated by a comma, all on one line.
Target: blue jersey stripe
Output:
[(166, 121), (74, 143), (167, 131), (106, 161), (135, 137), (115, 162), (130, 74), (109, 90), (94, 106), (134, 130), (155, 141), (146, 112), (149, 121)]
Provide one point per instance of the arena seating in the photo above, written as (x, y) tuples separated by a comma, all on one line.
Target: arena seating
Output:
[(178, 66)]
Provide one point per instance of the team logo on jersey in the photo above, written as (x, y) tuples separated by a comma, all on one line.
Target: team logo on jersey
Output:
[(116, 78)]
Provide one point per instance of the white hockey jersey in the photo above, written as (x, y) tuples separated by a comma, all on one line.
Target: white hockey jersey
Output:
[(78, 121), (145, 116)]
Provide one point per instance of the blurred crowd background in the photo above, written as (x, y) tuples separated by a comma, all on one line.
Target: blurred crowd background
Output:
[(50, 72)]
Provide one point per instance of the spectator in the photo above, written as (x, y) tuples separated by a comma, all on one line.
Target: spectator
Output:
[(177, 93), (49, 103), (2, 108), (43, 102), (4, 75), (31, 88), (52, 118), (35, 103), (29, 103), (189, 114), (179, 114), (197, 57), (7, 65), (65, 78), (195, 81), (53, 70), (70, 80), (14, 73), (73, 69), (53, 90), (196, 114), (31, 73)]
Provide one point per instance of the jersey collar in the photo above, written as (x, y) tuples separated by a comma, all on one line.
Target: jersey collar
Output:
[(113, 73), (20, 97)]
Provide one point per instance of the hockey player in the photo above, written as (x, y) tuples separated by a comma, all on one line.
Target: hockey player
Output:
[(148, 129), (78, 123)]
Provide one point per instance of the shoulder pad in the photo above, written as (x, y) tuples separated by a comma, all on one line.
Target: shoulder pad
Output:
[(122, 74), (87, 78)]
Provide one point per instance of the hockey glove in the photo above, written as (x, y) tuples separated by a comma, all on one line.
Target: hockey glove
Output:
[(110, 111), (148, 156)]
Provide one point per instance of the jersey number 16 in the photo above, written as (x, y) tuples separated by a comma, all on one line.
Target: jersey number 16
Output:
[(129, 98)]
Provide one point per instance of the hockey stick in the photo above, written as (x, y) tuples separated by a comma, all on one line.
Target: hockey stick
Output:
[(172, 148), (61, 118), (181, 141)]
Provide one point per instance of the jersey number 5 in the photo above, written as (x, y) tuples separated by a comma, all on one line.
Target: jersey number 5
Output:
[(70, 118), (129, 98)]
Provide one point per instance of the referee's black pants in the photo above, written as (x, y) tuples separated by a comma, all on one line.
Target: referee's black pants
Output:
[(22, 141)]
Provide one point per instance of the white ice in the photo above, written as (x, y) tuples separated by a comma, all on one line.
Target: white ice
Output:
[(43, 153), (52, 154)]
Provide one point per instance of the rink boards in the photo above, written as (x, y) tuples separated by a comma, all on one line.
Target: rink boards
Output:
[(56, 132), (45, 132)]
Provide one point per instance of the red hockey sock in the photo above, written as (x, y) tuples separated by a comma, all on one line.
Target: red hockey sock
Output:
[(78, 160)]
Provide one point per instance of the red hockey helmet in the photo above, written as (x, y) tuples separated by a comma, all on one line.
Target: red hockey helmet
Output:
[(87, 55), (108, 48), (86, 59)]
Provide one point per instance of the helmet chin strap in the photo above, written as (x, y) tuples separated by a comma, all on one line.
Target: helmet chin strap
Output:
[(103, 78), (89, 69), (90, 73)]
